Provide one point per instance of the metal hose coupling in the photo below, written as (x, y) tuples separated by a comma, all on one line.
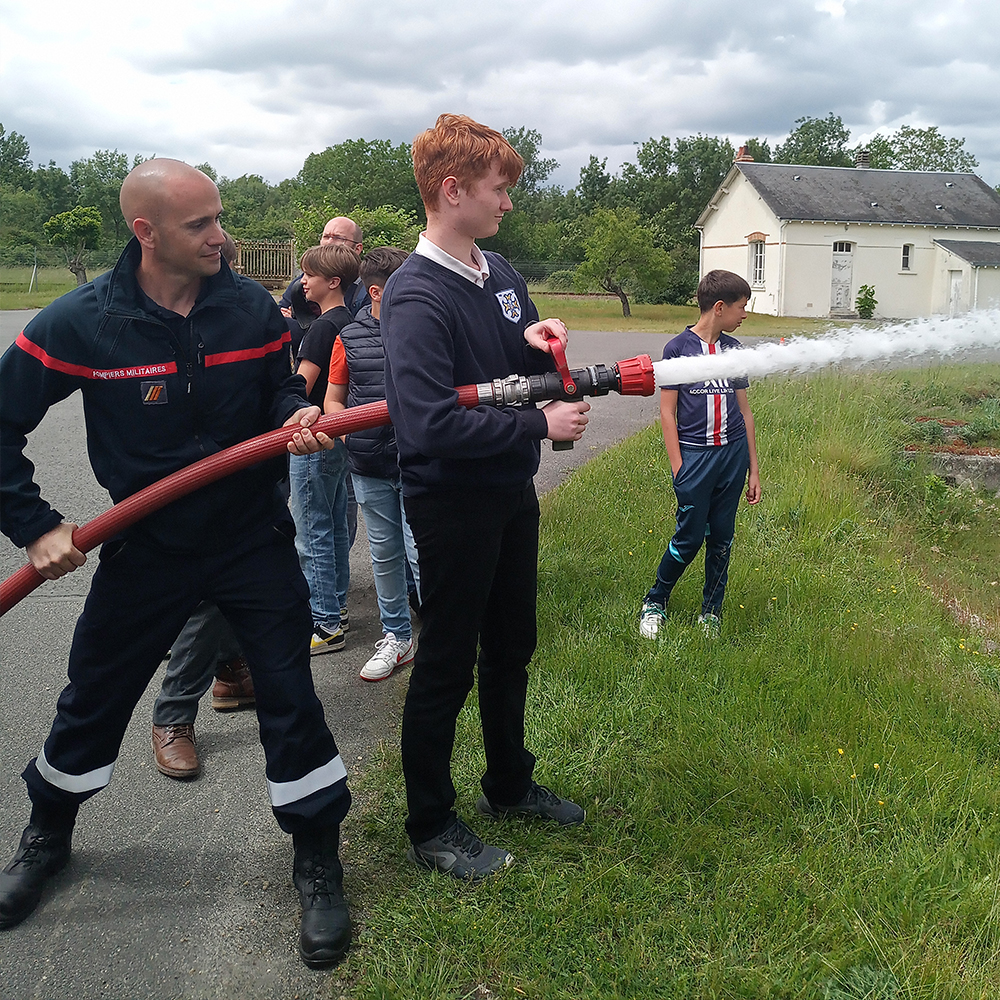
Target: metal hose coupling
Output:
[(632, 377)]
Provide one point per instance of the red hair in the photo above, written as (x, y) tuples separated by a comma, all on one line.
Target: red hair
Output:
[(461, 148)]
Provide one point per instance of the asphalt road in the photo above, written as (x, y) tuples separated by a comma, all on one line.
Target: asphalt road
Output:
[(183, 890)]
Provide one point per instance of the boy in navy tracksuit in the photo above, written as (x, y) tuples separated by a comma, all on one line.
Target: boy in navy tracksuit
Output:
[(708, 430)]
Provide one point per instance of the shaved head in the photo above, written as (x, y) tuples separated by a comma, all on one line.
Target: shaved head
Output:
[(173, 211), (342, 230), (155, 186)]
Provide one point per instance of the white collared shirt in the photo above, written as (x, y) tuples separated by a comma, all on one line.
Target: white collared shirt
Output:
[(477, 275)]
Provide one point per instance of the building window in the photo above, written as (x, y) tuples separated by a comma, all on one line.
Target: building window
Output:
[(841, 247), (907, 256), (757, 264)]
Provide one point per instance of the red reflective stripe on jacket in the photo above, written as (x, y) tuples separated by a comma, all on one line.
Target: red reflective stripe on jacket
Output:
[(102, 374), (228, 357)]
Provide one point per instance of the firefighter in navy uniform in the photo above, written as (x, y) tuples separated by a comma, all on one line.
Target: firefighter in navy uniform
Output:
[(177, 358)]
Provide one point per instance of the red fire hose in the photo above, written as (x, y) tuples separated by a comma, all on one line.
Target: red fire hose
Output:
[(632, 377)]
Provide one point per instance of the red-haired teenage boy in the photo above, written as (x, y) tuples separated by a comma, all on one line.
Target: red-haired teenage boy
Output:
[(453, 315)]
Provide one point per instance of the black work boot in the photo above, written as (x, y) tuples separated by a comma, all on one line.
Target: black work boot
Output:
[(43, 851), (319, 877)]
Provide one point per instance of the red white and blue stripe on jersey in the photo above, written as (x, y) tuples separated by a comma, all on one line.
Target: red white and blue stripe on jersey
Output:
[(708, 415)]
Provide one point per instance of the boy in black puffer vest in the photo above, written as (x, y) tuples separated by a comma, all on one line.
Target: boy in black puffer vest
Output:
[(375, 471)]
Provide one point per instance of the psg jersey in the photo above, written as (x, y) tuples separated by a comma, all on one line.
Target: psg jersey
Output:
[(707, 412)]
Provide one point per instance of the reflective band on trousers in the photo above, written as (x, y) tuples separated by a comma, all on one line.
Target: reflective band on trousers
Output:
[(88, 782), (284, 792)]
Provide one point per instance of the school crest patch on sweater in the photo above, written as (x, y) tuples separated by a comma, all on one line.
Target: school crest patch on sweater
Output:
[(509, 305)]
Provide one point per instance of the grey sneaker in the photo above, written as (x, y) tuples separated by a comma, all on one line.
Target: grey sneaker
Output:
[(711, 625), (458, 852), (651, 617), (538, 801)]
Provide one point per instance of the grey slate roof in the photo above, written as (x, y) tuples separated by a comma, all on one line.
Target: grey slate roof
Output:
[(849, 194), (978, 253)]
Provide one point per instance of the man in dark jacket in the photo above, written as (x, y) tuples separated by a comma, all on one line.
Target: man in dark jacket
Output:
[(177, 358)]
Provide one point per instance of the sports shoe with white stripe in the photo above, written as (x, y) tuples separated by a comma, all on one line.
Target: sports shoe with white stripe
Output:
[(651, 617), (390, 653)]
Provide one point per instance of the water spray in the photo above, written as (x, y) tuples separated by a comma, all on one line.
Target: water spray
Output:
[(856, 345), (633, 377)]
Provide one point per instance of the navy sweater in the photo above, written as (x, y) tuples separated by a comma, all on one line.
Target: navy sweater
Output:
[(441, 331)]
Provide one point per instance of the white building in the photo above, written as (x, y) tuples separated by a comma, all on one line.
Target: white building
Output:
[(807, 238)]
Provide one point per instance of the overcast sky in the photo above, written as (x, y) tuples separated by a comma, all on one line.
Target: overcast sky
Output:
[(253, 87)]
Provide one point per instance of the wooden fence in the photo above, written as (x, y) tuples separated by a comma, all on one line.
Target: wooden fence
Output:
[(271, 262)]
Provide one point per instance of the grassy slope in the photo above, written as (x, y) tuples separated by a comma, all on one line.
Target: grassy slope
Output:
[(807, 808)]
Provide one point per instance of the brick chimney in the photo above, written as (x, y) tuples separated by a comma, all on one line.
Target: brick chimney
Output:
[(861, 158), (743, 156)]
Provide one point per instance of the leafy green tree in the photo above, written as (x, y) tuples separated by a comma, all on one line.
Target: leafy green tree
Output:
[(759, 149), (537, 169), (97, 181), (208, 170), (622, 257), (910, 148), (816, 142), (364, 173), (20, 225), (246, 204), (671, 182), (595, 182), (15, 166), (54, 189), (76, 232), (880, 153), (928, 149), (382, 226), (701, 162)]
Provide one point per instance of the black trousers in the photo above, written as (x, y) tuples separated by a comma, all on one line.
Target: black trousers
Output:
[(478, 558), (140, 598)]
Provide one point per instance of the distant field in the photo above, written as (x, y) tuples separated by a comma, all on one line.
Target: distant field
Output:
[(599, 312), (579, 312), (49, 285)]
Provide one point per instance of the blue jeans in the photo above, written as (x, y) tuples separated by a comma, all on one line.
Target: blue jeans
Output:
[(391, 544), (205, 641), (318, 502)]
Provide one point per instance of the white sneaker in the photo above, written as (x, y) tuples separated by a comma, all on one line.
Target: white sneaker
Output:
[(651, 618), (390, 653)]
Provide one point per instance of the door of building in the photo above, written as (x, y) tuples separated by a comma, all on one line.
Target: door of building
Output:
[(841, 303), (955, 293)]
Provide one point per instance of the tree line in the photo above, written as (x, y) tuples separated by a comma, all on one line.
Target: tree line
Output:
[(629, 233)]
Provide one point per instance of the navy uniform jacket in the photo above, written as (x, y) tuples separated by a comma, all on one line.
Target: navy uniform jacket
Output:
[(159, 392)]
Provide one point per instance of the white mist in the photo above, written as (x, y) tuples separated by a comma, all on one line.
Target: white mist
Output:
[(855, 345)]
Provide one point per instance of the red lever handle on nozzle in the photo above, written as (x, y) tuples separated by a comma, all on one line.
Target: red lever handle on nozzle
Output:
[(558, 353)]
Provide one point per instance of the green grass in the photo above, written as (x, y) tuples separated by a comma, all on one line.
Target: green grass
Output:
[(50, 283), (807, 808), (594, 312)]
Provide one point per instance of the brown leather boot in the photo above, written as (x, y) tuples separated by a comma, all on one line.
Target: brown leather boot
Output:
[(233, 687), (174, 752)]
